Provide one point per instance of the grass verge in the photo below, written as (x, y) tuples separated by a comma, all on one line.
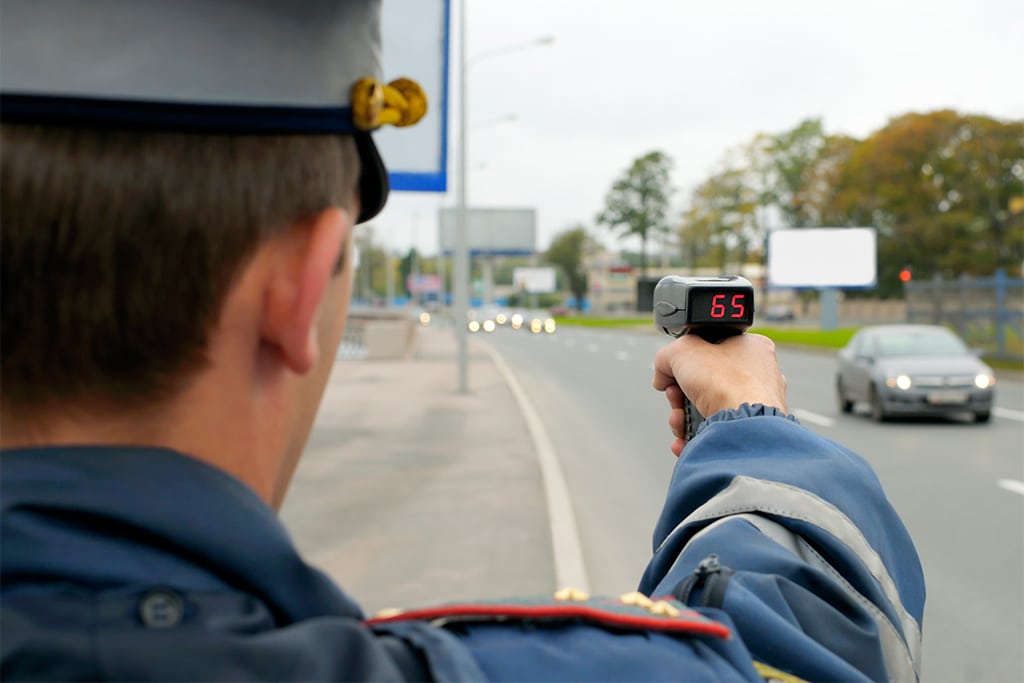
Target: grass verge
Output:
[(796, 336)]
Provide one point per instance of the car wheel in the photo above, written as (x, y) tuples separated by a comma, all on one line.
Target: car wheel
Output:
[(982, 417), (877, 410), (845, 404)]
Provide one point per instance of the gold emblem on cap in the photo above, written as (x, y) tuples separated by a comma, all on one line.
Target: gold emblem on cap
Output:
[(388, 613), (571, 594), (400, 103)]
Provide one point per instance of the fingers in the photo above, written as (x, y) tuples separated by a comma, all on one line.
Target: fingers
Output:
[(740, 369), (676, 417), (677, 423), (666, 358), (675, 396)]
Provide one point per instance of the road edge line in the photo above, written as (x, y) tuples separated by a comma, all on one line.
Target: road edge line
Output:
[(1011, 485), (570, 569), (1008, 414)]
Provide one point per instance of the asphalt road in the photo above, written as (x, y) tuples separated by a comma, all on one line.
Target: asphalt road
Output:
[(957, 485)]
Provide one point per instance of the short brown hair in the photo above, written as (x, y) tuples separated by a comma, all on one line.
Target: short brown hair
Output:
[(118, 248)]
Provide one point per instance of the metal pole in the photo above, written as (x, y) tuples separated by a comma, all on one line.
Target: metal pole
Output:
[(389, 266), (442, 274), (414, 256), (460, 276), (460, 268)]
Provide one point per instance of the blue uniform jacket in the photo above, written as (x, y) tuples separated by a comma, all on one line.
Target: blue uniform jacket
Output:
[(776, 554)]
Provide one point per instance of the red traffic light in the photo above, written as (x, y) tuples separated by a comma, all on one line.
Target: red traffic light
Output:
[(905, 275)]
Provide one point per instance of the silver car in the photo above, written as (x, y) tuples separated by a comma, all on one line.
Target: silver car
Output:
[(913, 370)]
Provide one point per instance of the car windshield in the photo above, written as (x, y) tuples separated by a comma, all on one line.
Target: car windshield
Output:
[(915, 343)]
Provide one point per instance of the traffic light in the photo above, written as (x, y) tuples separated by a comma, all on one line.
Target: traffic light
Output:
[(905, 275)]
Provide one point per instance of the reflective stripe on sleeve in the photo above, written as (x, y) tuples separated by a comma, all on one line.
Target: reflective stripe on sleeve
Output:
[(898, 660), (747, 494)]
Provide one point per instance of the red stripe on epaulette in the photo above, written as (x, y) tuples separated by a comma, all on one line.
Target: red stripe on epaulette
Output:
[(605, 613)]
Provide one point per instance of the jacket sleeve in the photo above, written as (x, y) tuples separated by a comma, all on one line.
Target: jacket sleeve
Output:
[(791, 535)]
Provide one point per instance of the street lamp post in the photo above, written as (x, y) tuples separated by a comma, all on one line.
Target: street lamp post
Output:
[(460, 274)]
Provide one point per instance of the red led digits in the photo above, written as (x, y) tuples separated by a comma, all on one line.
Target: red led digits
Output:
[(717, 307), (737, 306)]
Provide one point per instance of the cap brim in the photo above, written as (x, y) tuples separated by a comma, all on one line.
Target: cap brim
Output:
[(373, 178)]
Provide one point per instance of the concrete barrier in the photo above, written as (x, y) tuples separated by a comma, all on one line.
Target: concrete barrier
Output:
[(388, 339)]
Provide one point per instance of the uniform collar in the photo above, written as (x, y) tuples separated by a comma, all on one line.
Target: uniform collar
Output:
[(122, 517)]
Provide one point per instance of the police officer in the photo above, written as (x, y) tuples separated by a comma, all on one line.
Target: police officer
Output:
[(180, 184)]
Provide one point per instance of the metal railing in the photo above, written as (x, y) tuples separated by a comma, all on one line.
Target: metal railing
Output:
[(987, 312)]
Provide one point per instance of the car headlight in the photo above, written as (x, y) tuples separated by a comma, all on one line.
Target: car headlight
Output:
[(474, 326), (488, 326), (424, 318), (536, 325), (549, 325), (983, 381), (899, 382)]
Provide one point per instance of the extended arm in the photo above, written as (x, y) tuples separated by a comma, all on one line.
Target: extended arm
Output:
[(788, 532)]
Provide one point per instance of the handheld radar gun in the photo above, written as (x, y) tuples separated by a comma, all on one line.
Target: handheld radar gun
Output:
[(713, 308)]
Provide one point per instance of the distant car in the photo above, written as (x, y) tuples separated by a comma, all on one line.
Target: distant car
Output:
[(532, 320), (480, 320), (779, 313), (913, 370), (421, 315), (538, 321)]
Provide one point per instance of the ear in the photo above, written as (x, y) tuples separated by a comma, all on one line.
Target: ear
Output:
[(307, 261)]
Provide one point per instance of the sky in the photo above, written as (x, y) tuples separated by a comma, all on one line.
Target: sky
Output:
[(621, 78)]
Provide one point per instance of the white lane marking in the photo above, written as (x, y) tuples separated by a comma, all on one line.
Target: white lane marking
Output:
[(1011, 485), (622, 355), (813, 418), (565, 539), (1009, 414)]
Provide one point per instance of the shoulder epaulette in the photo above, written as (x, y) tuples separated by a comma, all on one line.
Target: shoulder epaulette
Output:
[(633, 611)]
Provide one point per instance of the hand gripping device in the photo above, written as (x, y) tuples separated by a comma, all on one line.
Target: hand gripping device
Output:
[(711, 307)]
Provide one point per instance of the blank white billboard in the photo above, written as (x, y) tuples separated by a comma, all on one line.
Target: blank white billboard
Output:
[(492, 231), (534, 280), (822, 257)]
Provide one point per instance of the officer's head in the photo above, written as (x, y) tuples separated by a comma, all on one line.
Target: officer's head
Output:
[(180, 183)]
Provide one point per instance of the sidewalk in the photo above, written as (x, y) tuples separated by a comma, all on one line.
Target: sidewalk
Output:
[(411, 493)]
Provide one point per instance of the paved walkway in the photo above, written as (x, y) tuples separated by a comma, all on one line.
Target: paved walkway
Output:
[(411, 493)]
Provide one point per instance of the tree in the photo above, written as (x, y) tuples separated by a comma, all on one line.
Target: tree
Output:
[(371, 278), (791, 154), (696, 236), (409, 265), (944, 190), (638, 201), (823, 182), (939, 188), (722, 218), (567, 251)]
